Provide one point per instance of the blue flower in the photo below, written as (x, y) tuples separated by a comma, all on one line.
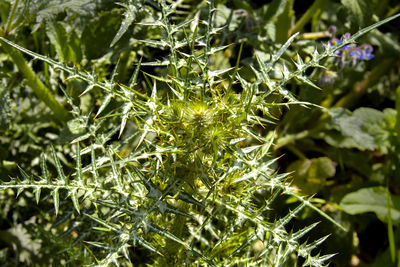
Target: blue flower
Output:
[(350, 53), (366, 52), (336, 41)]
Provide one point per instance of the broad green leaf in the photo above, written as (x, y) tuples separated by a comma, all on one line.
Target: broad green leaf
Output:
[(365, 129), (74, 48), (348, 158), (47, 10), (59, 39), (66, 44), (386, 42), (372, 199), (377, 124), (352, 127), (242, 4)]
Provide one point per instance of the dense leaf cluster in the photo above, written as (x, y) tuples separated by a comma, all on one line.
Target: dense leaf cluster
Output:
[(146, 134)]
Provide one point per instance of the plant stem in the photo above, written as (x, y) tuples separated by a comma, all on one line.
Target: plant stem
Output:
[(11, 15), (318, 4), (396, 140), (41, 91), (290, 138), (314, 35), (392, 245), (397, 126)]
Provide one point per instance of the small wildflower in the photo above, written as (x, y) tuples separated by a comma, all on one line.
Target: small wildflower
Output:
[(347, 55), (366, 52), (350, 53)]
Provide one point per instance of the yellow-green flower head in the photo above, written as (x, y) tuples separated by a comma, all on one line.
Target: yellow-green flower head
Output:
[(199, 114)]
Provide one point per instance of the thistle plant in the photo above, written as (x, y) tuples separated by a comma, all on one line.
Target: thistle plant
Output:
[(173, 167)]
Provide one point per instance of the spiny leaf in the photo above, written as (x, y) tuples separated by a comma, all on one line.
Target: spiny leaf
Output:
[(75, 200), (108, 225), (307, 81), (245, 244), (125, 114), (146, 244), (165, 207), (164, 232), (106, 101), (24, 175), (323, 214), (56, 199), (363, 31), (130, 16), (114, 74), (155, 43), (58, 166), (88, 89), (300, 233), (188, 198), (216, 73), (115, 173), (37, 192), (290, 215), (165, 62), (300, 63), (279, 53), (316, 243), (133, 80), (78, 165)]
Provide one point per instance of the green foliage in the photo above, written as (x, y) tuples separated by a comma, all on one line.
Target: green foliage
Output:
[(311, 175), (364, 129), (5, 109), (168, 153), (372, 199)]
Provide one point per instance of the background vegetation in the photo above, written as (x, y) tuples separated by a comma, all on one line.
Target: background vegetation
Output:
[(174, 133)]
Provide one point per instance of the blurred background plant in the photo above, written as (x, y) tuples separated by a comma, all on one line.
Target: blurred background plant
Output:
[(185, 113)]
